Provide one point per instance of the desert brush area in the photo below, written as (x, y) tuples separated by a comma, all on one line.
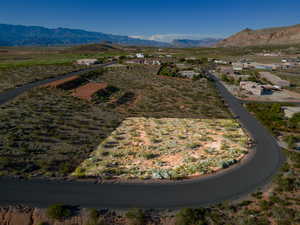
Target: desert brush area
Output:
[(50, 132)]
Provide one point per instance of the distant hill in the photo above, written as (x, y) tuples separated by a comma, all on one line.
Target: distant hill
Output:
[(18, 35), (269, 36), (97, 47), (186, 43)]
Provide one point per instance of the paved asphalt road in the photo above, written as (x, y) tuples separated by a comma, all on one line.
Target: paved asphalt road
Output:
[(230, 184)]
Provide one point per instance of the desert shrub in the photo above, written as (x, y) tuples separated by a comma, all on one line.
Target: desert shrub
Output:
[(93, 214), (283, 213), (4, 162), (65, 168), (127, 97), (79, 172), (227, 79), (245, 203), (73, 84), (94, 218), (285, 167), (190, 216), (294, 122), (284, 222), (93, 74), (169, 70), (104, 94), (257, 195), (275, 199), (286, 184), (254, 221), (291, 140), (265, 205), (58, 211), (136, 217), (150, 155)]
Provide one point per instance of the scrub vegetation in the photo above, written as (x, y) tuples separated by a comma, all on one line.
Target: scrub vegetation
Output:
[(15, 76), (48, 132), (272, 116)]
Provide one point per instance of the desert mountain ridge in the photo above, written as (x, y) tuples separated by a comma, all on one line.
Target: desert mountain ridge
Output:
[(269, 36)]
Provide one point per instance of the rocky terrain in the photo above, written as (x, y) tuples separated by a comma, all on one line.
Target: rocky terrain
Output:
[(269, 36)]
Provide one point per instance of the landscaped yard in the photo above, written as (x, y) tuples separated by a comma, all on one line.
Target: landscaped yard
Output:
[(167, 148)]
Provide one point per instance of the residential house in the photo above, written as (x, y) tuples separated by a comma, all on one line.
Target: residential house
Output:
[(87, 62), (188, 73), (237, 67), (217, 61), (252, 87), (140, 55)]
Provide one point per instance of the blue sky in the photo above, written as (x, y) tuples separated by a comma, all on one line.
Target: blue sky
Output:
[(153, 19)]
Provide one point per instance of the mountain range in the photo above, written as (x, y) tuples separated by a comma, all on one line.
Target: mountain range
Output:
[(18, 35), (186, 43), (269, 36)]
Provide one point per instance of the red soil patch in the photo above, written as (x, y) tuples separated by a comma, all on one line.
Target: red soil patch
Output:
[(57, 83), (86, 91)]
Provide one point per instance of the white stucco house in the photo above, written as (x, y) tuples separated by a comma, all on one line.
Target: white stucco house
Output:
[(87, 62), (140, 55)]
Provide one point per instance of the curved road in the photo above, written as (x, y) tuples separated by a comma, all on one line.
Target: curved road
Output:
[(231, 184)]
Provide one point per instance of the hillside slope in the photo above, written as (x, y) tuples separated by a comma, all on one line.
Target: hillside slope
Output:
[(269, 36), (18, 35)]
